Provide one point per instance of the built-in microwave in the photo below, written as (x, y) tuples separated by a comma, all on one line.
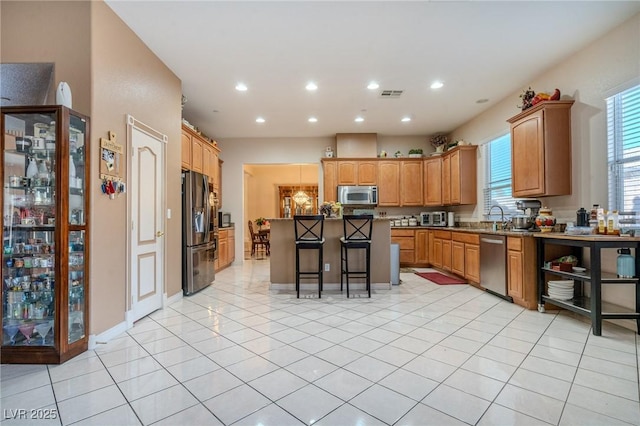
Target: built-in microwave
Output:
[(358, 195), (433, 219)]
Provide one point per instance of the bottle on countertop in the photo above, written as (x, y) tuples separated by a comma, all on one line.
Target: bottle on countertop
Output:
[(602, 221), (626, 264), (613, 227), (594, 212)]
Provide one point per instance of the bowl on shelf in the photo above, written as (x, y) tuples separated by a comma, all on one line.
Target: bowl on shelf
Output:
[(579, 269)]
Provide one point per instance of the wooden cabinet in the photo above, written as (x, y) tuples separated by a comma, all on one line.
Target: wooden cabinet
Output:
[(368, 173), (421, 246), (330, 180), (541, 150), (457, 258), (446, 180), (521, 274), (226, 248), (432, 181), (459, 176), (436, 254), (405, 238), (388, 183), (347, 172), (411, 183), (197, 155), (185, 140), (446, 255), (465, 255), (207, 154), (472, 262), (44, 297)]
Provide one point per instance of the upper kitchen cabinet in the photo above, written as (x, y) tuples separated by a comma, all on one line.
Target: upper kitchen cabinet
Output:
[(388, 183), (200, 155), (330, 179), (459, 175), (45, 234), (541, 150), (357, 172), (411, 183), (367, 172), (432, 181)]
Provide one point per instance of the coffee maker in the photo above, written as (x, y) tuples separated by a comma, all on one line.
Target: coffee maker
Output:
[(527, 220)]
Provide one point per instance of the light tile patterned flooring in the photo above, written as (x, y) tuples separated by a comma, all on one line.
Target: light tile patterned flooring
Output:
[(419, 354)]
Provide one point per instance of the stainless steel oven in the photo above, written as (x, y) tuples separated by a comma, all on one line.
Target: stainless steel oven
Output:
[(433, 218)]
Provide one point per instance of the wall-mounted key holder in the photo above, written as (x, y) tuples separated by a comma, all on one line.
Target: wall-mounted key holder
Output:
[(112, 187)]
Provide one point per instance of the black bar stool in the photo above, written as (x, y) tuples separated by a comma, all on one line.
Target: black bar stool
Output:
[(357, 235), (309, 236)]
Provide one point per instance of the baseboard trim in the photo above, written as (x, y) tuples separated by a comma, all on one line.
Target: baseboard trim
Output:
[(107, 335), (175, 298)]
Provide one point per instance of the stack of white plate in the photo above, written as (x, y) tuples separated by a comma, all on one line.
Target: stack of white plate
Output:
[(561, 290)]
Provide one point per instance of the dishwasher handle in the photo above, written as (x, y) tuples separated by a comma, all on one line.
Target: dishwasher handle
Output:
[(490, 241)]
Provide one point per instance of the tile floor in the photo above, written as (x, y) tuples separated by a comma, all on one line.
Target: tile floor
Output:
[(419, 354)]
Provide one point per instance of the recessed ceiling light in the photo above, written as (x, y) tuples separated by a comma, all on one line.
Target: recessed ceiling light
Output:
[(359, 119), (311, 86), (373, 85), (437, 84), (241, 87), (260, 120), (313, 120), (482, 101), (406, 119)]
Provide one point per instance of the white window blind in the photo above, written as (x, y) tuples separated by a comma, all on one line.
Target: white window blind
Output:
[(498, 176), (623, 136)]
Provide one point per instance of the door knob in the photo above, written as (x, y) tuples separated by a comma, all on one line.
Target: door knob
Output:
[(159, 234)]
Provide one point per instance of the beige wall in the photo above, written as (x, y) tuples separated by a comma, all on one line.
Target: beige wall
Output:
[(111, 73), (129, 79)]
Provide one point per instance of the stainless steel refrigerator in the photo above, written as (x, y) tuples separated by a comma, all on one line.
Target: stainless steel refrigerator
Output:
[(198, 233)]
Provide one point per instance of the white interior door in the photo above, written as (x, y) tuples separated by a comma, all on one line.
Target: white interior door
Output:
[(147, 224)]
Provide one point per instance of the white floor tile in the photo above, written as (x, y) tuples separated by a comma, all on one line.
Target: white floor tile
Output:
[(212, 384), (393, 356), (343, 384), (549, 368), (430, 368), (409, 384), (423, 415), (531, 403), (604, 403), (458, 404), (498, 415), (284, 355), (383, 403), (252, 368), (66, 389), (545, 385), (490, 368), (147, 384), (236, 404), (447, 355), (614, 369), (90, 404), (339, 355), (309, 404), (572, 415), (349, 415), (601, 382), (134, 368), (195, 415), (277, 384), (165, 403), (269, 415), (475, 384), (29, 379), (69, 370), (370, 368), (192, 368), (311, 368), (231, 355), (121, 416)]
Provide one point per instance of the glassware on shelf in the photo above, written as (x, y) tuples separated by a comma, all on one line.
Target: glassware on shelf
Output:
[(43, 329), (12, 330), (27, 330)]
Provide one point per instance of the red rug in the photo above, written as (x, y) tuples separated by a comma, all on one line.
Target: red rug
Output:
[(440, 279)]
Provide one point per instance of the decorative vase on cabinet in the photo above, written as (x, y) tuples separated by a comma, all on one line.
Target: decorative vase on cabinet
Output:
[(44, 240)]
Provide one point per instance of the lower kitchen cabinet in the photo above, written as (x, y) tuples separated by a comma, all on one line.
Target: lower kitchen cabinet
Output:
[(446, 254), (472, 262), (457, 258), (521, 271), (414, 246), (226, 248), (465, 255)]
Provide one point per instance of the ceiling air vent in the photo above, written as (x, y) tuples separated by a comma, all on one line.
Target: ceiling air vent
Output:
[(390, 93)]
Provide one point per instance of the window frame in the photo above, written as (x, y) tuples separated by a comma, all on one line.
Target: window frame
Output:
[(502, 183)]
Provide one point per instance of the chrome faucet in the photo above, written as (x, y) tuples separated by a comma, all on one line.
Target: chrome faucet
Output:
[(495, 225)]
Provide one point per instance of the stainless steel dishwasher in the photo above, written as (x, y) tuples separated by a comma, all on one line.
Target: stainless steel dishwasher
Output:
[(493, 264)]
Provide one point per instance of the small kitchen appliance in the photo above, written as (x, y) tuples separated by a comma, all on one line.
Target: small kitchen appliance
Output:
[(526, 220), (358, 195), (433, 219)]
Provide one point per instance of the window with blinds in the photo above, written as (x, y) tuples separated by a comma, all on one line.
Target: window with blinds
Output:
[(498, 180), (623, 136)]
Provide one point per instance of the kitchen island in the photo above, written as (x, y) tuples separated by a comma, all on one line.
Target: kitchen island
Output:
[(283, 256)]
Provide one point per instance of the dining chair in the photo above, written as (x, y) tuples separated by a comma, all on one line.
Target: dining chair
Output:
[(258, 241)]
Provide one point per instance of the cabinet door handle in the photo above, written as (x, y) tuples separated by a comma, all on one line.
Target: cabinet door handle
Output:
[(159, 234)]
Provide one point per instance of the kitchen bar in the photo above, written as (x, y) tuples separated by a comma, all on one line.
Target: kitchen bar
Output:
[(283, 256)]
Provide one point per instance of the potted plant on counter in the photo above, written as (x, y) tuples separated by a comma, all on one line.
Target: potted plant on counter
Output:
[(415, 152)]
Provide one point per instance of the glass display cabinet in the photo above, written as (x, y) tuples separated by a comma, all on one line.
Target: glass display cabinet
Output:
[(45, 234)]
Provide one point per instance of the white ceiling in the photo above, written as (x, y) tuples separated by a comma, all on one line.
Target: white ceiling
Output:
[(478, 49)]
